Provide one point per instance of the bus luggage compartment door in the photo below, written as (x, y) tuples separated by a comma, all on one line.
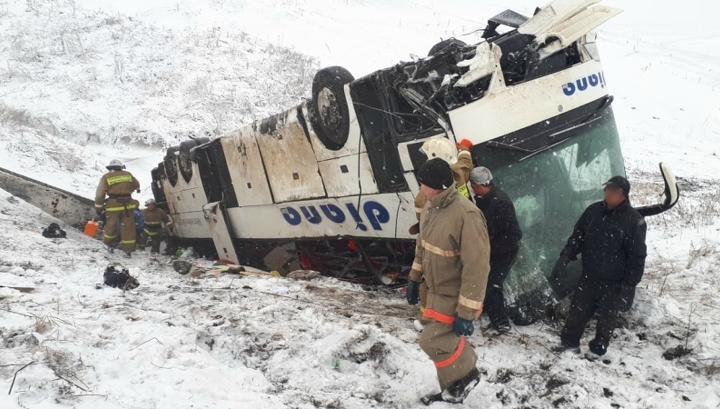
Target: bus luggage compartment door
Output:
[(219, 231)]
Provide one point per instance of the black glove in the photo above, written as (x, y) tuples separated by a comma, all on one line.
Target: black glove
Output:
[(413, 292), (559, 268), (461, 327)]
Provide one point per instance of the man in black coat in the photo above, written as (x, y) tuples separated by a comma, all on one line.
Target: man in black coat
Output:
[(610, 235), (504, 232)]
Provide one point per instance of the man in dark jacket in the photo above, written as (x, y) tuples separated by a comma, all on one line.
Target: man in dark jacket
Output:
[(505, 235), (610, 235)]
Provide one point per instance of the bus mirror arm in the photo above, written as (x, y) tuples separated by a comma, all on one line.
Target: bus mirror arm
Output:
[(672, 194)]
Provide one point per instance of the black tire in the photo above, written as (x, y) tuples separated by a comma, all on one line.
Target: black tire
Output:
[(329, 113), (444, 44), (184, 159), (170, 164)]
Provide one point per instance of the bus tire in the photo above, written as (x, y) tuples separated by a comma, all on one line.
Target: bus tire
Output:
[(184, 159), (170, 165), (329, 112), (444, 44)]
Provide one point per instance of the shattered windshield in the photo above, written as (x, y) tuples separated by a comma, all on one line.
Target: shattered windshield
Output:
[(550, 191)]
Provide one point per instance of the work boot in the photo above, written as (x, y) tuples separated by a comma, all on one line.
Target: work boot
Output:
[(498, 329), (575, 349), (110, 249), (458, 391), (128, 255), (429, 399), (503, 328), (597, 347)]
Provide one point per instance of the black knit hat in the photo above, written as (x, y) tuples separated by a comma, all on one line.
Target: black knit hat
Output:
[(619, 182), (436, 173)]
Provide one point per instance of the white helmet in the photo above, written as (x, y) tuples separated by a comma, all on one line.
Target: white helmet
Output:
[(149, 202), (115, 164), (442, 148)]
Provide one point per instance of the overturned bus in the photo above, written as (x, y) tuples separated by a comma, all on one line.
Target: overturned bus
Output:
[(332, 181)]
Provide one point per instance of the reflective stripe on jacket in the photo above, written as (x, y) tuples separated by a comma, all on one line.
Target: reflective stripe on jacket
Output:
[(116, 184)]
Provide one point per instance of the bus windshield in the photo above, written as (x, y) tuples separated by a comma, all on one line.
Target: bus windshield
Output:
[(550, 191)]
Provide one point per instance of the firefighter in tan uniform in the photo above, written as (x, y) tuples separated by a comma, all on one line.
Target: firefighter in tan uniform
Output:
[(155, 221), (461, 166), (453, 256), (118, 185)]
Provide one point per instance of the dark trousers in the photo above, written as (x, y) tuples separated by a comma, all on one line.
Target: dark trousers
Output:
[(592, 296), (156, 235), (494, 297)]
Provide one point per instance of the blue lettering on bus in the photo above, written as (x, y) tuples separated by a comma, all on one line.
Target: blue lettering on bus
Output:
[(356, 216), (375, 214), (291, 216), (311, 214), (332, 212), (584, 83)]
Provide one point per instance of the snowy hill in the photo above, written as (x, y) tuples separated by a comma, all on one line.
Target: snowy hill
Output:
[(80, 87), (83, 81)]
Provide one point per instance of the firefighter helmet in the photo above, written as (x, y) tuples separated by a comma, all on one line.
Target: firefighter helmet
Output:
[(440, 148), (115, 164), (149, 202)]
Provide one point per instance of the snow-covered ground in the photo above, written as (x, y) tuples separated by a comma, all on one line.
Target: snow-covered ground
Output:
[(267, 342), (86, 80)]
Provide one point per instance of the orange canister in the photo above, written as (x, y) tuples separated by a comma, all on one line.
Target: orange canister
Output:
[(91, 228)]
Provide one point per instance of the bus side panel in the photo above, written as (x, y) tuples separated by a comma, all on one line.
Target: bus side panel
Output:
[(246, 169), (289, 159), (378, 216), (528, 103)]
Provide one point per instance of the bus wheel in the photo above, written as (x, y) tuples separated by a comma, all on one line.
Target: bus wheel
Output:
[(329, 113), (444, 44), (171, 168), (184, 160)]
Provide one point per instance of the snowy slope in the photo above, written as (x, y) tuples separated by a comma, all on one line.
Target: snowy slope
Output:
[(266, 342), (79, 87)]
